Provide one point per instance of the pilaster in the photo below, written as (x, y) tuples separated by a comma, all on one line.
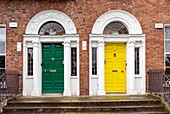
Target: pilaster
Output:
[(131, 69), (24, 92), (67, 69), (101, 90), (36, 90)]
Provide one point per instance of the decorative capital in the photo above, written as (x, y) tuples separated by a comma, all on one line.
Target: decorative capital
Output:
[(24, 44), (78, 43), (143, 43), (132, 43), (35, 43), (67, 43), (100, 43)]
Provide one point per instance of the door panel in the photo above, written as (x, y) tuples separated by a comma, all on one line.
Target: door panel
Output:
[(115, 67), (52, 68)]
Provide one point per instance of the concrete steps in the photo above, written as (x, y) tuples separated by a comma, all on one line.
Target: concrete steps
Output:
[(84, 105), (91, 113)]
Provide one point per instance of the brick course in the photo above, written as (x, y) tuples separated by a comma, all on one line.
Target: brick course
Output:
[(84, 14)]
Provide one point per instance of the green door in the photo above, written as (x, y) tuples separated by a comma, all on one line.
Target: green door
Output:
[(52, 68)]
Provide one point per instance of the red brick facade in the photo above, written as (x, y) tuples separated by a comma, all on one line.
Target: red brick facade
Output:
[(84, 13)]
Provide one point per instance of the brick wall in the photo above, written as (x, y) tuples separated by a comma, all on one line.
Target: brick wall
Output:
[(84, 13)]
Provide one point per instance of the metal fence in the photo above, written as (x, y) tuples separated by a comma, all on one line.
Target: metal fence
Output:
[(159, 83), (9, 84)]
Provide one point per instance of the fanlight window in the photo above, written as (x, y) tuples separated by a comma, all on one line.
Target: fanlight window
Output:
[(115, 28), (52, 28)]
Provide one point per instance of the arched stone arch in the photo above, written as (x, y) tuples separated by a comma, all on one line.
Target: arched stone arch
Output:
[(50, 15), (133, 40), (117, 15), (32, 39)]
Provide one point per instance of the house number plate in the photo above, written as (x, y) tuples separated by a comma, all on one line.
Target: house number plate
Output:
[(52, 70)]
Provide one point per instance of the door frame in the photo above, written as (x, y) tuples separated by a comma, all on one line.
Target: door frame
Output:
[(32, 85), (135, 83), (68, 41), (97, 81), (36, 41)]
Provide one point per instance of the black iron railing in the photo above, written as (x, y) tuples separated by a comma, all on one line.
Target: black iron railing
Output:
[(9, 84), (159, 83)]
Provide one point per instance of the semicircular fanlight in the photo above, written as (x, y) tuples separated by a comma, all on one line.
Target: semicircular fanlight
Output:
[(115, 28), (51, 28)]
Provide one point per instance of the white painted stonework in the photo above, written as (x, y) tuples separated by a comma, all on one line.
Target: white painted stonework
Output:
[(32, 85), (135, 84), (50, 15), (126, 18)]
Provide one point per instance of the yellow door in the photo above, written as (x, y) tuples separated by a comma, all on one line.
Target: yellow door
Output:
[(115, 67)]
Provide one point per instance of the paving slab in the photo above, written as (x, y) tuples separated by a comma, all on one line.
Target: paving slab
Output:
[(85, 98)]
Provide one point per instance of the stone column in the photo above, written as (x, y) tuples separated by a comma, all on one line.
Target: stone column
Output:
[(67, 68), (101, 79), (131, 69), (90, 70), (24, 92), (36, 89), (78, 70), (142, 64)]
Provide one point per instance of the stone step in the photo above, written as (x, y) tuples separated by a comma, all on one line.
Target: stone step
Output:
[(83, 103), (38, 109), (138, 104), (160, 112)]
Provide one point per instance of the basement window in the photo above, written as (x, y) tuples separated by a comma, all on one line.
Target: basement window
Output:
[(167, 49), (2, 50)]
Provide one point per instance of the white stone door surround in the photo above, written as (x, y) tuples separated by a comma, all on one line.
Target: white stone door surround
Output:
[(32, 85), (135, 84)]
